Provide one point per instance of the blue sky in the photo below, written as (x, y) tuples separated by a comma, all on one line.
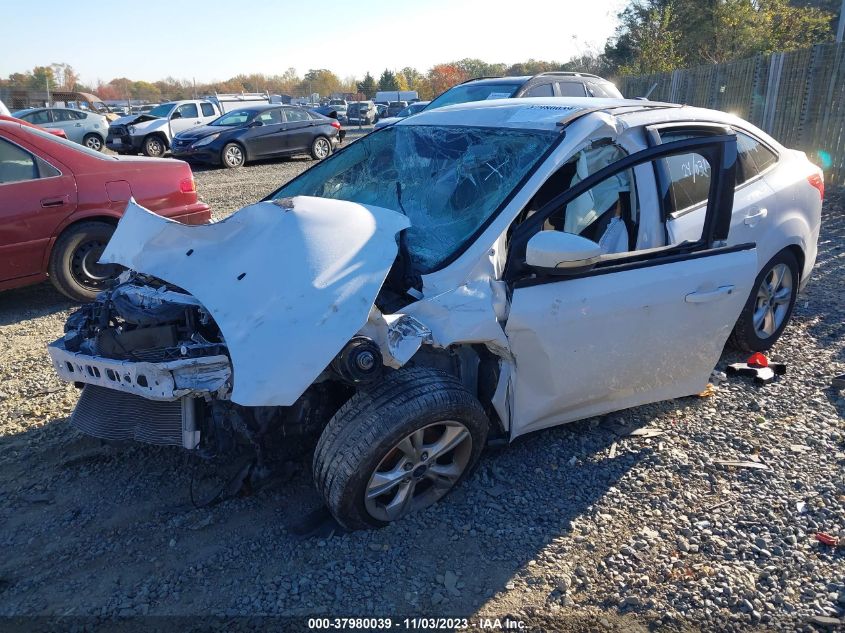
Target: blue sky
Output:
[(215, 39)]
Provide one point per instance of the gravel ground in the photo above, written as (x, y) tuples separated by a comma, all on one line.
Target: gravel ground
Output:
[(577, 528)]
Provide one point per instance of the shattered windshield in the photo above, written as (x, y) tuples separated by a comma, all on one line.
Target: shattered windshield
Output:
[(447, 180)]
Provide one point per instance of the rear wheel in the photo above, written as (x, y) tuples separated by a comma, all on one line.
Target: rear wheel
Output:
[(154, 146), (74, 270), (770, 305), (399, 447), (320, 148), (232, 156), (93, 141)]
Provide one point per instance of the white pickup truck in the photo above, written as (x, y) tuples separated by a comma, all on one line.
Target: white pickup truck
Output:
[(152, 132)]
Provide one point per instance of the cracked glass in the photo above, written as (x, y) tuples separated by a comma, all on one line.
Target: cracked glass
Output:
[(448, 181)]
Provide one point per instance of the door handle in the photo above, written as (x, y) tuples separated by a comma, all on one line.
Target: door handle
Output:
[(709, 295), (52, 202), (755, 215)]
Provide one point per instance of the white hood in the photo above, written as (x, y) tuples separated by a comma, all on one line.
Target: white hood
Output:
[(288, 282)]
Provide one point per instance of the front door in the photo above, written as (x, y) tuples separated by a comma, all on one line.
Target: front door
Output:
[(642, 325), (35, 196), (184, 118), (268, 137)]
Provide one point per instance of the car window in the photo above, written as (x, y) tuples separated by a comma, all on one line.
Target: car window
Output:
[(188, 110), (571, 89), (604, 90), (607, 213), (465, 93), (688, 174), (293, 115), (18, 165), (77, 114), (235, 117), (39, 117), (208, 109), (469, 173), (543, 90), (64, 115), (270, 117), (754, 157)]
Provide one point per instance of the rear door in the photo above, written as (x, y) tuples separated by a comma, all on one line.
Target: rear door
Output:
[(640, 326), (71, 122), (755, 202), (36, 193), (299, 130)]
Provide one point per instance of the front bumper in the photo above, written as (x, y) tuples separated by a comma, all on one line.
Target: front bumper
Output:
[(166, 381)]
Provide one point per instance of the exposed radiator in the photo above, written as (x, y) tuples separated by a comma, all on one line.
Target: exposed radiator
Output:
[(115, 415)]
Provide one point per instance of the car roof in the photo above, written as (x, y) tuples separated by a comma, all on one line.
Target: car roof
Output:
[(498, 80), (549, 113)]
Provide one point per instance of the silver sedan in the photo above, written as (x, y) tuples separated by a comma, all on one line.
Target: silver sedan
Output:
[(87, 128)]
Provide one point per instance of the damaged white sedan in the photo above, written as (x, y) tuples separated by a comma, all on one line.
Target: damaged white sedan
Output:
[(478, 271)]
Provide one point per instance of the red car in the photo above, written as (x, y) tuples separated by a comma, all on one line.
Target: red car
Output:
[(52, 130), (60, 202)]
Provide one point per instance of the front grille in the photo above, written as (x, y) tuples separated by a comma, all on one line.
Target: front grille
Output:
[(180, 143), (116, 415)]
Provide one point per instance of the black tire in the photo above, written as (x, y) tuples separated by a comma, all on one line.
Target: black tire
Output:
[(154, 146), (364, 432), (321, 147), (94, 141), (232, 156), (745, 336), (73, 269)]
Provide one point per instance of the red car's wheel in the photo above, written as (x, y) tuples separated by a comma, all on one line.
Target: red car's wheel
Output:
[(74, 270)]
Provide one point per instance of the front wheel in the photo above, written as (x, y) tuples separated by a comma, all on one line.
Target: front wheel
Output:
[(770, 305), (74, 270), (232, 156), (93, 141), (154, 146), (398, 447), (321, 148)]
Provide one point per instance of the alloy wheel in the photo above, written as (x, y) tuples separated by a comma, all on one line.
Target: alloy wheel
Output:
[(233, 156), (95, 143), (419, 470), (321, 148), (773, 298)]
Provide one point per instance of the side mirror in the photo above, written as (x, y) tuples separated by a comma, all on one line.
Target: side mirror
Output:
[(559, 253), (176, 115), (256, 123)]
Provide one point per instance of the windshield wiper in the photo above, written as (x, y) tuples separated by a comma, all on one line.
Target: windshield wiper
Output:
[(411, 280)]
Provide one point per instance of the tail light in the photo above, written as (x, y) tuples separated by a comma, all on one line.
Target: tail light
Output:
[(186, 185), (335, 124), (817, 181)]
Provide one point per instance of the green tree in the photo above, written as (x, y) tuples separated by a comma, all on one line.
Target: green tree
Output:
[(387, 81), (367, 86)]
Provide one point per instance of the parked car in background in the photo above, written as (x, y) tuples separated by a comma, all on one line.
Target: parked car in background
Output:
[(560, 259), (382, 110), (419, 106), (60, 202), (550, 84), (153, 131), (363, 112), (341, 107), (53, 130), (260, 131), (395, 107), (86, 128)]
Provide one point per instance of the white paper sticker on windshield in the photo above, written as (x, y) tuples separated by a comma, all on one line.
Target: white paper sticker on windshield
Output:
[(537, 113), (498, 95)]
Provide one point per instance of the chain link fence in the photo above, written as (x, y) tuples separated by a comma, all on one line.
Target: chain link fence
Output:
[(798, 97)]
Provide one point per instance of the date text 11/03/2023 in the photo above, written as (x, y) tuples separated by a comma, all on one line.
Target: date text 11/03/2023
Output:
[(416, 624)]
